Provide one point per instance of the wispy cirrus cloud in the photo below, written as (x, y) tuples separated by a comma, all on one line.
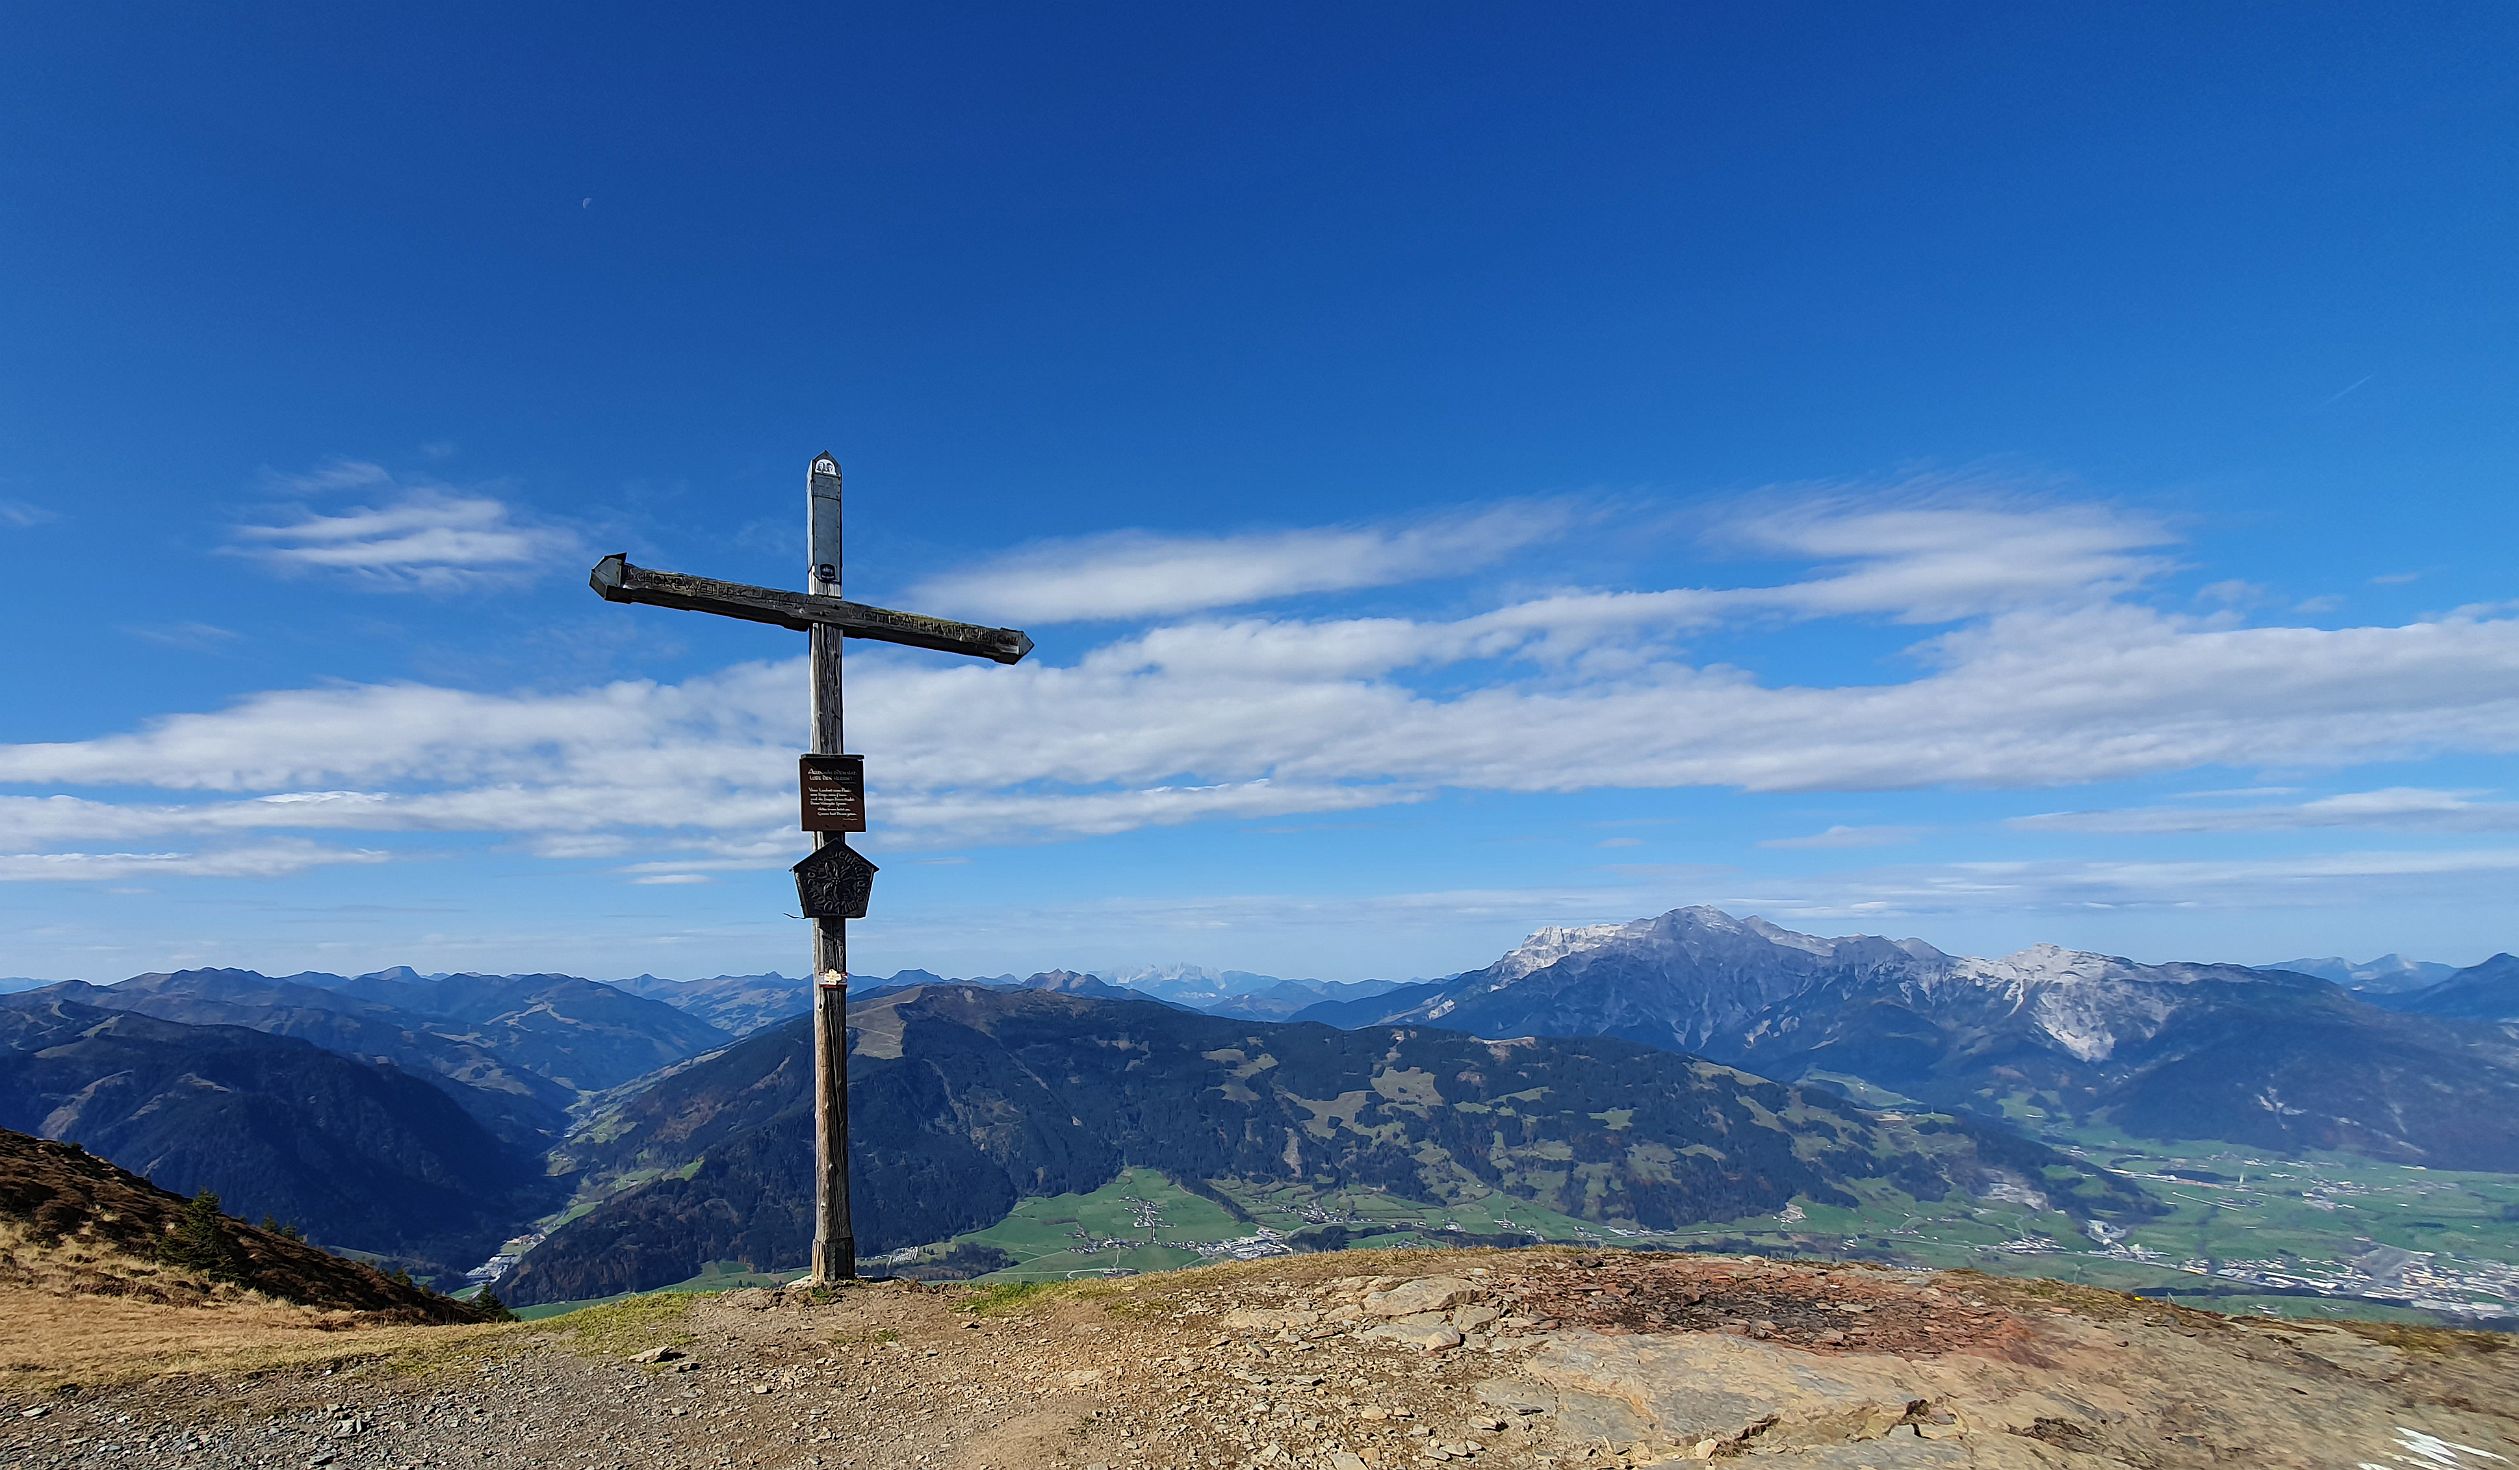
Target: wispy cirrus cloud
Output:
[(262, 860), (2394, 808), (1842, 836), (1926, 550), (416, 535), (24, 515), (2294, 881), (1931, 551), (1139, 574), (193, 637)]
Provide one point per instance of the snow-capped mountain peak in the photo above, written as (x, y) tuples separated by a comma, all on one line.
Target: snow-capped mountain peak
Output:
[(1699, 975), (1554, 943)]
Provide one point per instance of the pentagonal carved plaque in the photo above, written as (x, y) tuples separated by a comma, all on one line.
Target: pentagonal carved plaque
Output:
[(835, 882)]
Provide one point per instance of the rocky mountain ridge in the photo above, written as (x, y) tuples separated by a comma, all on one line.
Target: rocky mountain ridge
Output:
[(2171, 1050), (2482, 992), (2389, 974)]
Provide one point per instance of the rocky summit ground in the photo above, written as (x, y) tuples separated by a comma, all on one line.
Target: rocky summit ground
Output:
[(1334, 1362)]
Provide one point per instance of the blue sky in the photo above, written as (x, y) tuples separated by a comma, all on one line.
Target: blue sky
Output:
[(1990, 473)]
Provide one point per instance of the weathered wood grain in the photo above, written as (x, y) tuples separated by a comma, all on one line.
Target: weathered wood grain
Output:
[(616, 580), (834, 1227)]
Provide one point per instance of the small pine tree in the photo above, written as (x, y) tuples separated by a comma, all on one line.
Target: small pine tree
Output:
[(489, 1305), (201, 1242)]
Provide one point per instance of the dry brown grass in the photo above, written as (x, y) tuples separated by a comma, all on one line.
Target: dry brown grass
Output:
[(48, 1340), (80, 1311)]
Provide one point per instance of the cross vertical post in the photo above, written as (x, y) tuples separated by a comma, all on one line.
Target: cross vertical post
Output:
[(834, 883), (834, 1236)]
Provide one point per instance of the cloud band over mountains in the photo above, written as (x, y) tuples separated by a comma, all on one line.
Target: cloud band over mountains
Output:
[(2041, 655)]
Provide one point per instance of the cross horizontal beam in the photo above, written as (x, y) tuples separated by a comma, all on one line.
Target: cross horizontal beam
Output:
[(618, 581)]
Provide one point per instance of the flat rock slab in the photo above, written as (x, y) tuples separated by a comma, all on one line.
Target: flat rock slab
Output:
[(1426, 1294), (1901, 1450), (1427, 1330), (1688, 1389)]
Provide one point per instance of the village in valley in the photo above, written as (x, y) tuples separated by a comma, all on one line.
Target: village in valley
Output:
[(2312, 1238)]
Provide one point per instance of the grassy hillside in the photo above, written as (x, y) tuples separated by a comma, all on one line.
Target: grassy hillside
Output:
[(79, 1226)]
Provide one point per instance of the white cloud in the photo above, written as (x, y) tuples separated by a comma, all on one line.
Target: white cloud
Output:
[(1141, 574), (268, 860), (23, 515), (2396, 808), (1923, 551), (418, 535), (973, 755), (2295, 881), (1844, 836), (190, 636), (1937, 553), (2051, 682)]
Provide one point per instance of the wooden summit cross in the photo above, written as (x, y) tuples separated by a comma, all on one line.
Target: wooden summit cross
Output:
[(832, 883)]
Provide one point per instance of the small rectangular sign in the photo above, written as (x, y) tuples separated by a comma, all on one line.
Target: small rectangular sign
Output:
[(834, 788)]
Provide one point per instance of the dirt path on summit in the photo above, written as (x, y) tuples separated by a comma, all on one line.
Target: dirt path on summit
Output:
[(1355, 1361)]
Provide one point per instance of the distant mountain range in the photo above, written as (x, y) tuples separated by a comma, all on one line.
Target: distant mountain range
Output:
[(513, 1050), (2270, 1058), (966, 1099), (741, 1004), (392, 1112), (428, 1117), (735, 1004), (358, 1155), (2485, 992), (2385, 975), (1243, 993)]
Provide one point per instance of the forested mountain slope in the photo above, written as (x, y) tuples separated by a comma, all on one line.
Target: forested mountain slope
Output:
[(524, 1107), (965, 1100), (357, 1155)]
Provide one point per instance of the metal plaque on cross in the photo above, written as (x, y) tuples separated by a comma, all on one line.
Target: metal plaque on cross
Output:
[(834, 792), (835, 882)]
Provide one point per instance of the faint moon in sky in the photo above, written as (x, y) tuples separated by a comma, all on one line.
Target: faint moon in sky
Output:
[(585, 203)]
